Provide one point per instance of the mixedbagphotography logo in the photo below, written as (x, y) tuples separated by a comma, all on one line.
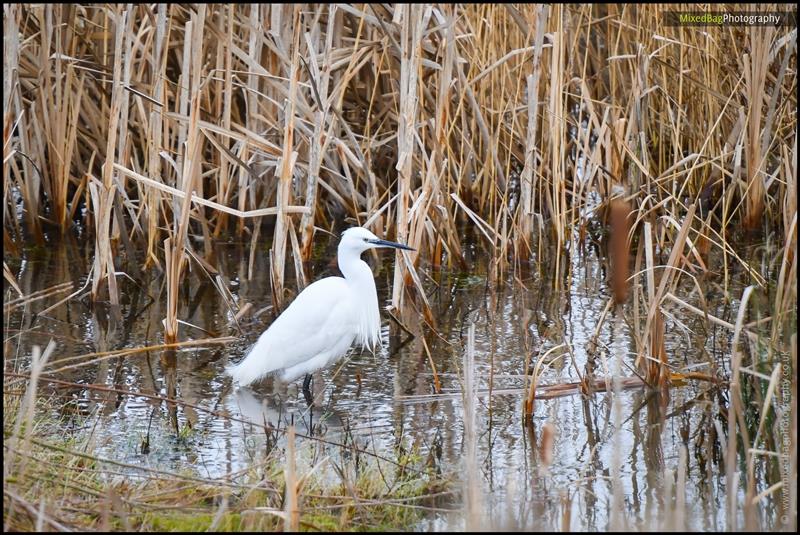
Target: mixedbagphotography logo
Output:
[(730, 18)]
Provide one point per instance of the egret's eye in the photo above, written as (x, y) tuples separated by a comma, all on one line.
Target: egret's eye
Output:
[(366, 239)]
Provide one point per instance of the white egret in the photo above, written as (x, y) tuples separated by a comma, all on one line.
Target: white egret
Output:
[(322, 323)]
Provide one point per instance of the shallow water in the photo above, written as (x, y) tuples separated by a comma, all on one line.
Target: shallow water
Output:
[(392, 409)]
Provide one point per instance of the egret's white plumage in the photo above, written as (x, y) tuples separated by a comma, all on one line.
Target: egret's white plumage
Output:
[(323, 321)]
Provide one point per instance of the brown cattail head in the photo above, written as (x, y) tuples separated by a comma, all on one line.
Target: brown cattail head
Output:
[(619, 229)]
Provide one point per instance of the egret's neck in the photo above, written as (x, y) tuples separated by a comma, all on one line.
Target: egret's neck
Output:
[(355, 270), (359, 277)]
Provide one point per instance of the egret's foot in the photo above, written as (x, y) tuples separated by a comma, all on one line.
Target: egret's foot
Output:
[(307, 391)]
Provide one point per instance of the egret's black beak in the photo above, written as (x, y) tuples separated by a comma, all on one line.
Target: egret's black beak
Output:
[(384, 243)]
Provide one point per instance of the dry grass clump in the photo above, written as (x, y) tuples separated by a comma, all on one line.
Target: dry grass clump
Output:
[(57, 481)]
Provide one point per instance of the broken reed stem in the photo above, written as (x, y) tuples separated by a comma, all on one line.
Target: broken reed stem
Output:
[(176, 244), (103, 199), (410, 19), (24, 300), (527, 185), (658, 374), (292, 507), (538, 371), (756, 64), (437, 384), (319, 78), (287, 164)]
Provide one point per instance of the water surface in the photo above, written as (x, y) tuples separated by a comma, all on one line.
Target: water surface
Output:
[(607, 447)]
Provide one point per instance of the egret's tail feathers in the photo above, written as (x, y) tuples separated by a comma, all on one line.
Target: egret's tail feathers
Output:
[(246, 372)]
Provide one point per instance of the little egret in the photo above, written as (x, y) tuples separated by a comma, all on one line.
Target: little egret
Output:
[(323, 321)]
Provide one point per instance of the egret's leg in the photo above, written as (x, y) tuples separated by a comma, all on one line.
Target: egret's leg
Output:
[(306, 391)]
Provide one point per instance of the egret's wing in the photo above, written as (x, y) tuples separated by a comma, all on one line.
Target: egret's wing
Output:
[(316, 320)]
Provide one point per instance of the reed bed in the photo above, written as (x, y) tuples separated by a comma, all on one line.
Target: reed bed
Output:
[(155, 129), (147, 123)]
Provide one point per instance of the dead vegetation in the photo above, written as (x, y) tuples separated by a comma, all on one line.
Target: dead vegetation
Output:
[(155, 129)]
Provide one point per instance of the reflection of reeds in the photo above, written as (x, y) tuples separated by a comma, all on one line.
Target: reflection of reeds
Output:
[(472, 481)]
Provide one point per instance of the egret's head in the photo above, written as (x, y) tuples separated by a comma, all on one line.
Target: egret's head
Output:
[(359, 239)]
